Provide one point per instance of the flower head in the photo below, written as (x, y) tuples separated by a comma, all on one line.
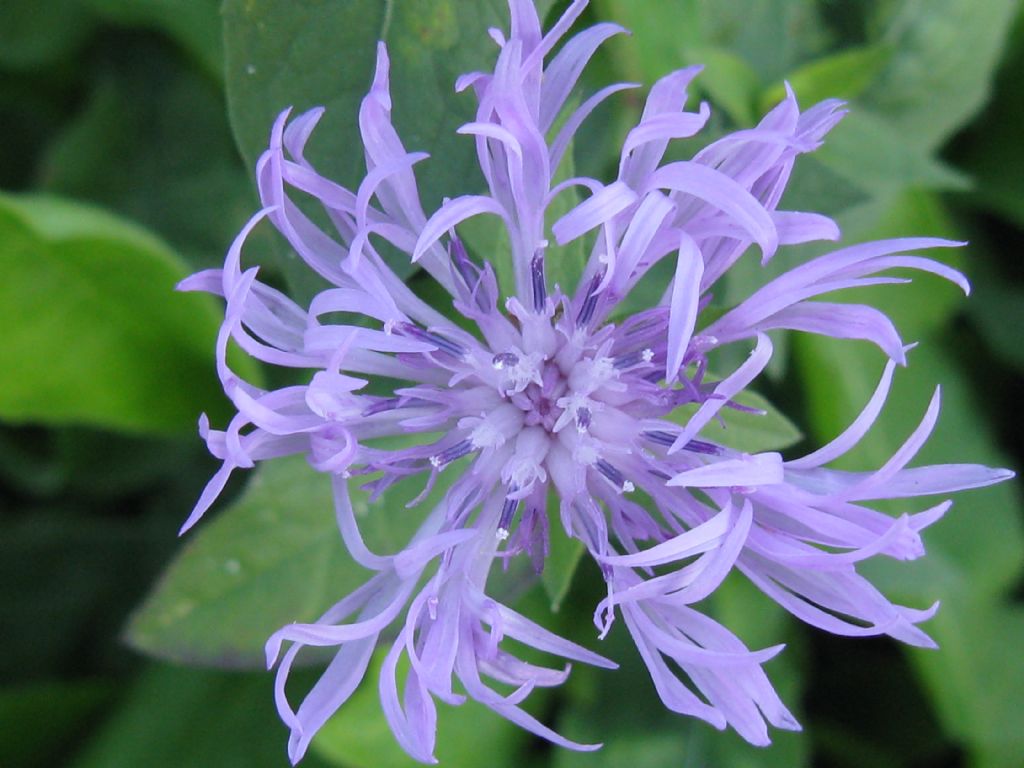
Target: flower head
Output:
[(550, 401)]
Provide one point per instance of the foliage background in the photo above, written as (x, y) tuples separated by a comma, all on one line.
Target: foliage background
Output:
[(120, 172)]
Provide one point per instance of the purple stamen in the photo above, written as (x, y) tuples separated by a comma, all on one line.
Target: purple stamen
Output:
[(469, 272), (508, 511), (590, 302), (699, 446), (429, 337), (448, 455), (614, 476), (659, 437), (540, 291), (668, 439), (382, 405), (633, 359)]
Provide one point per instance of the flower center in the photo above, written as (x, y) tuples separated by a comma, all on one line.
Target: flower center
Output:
[(540, 402)]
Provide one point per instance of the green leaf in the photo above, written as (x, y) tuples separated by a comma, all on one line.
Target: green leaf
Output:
[(841, 75), (774, 36), (65, 708), (878, 156), (563, 559), (976, 678), (35, 33), (991, 149), (173, 717), (729, 81), (816, 187), (96, 333), (194, 24), (64, 590), (997, 307), (770, 36), (947, 47), (273, 557), (306, 53), (664, 29), (744, 431), (188, 186), (358, 736)]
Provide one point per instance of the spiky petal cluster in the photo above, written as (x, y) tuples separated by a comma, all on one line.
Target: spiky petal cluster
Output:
[(549, 401)]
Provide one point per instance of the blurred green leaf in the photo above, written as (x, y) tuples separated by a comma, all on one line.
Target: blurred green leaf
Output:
[(173, 717), (816, 187), (68, 578), (34, 33), (841, 75), (772, 37), (283, 53), (130, 149), (665, 29), (195, 24), (976, 678), (563, 559), (992, 150), (997, 309), (358, 736), (947, 47), (273, 557), (90, 464), (876, 155), (95, 331), (729, 81), (39, 721), (742, 430)]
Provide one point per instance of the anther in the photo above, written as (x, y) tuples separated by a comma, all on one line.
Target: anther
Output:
[(583, 416), (504, 360)]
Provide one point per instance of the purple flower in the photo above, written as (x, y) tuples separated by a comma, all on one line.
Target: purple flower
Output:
[(548, 401)]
